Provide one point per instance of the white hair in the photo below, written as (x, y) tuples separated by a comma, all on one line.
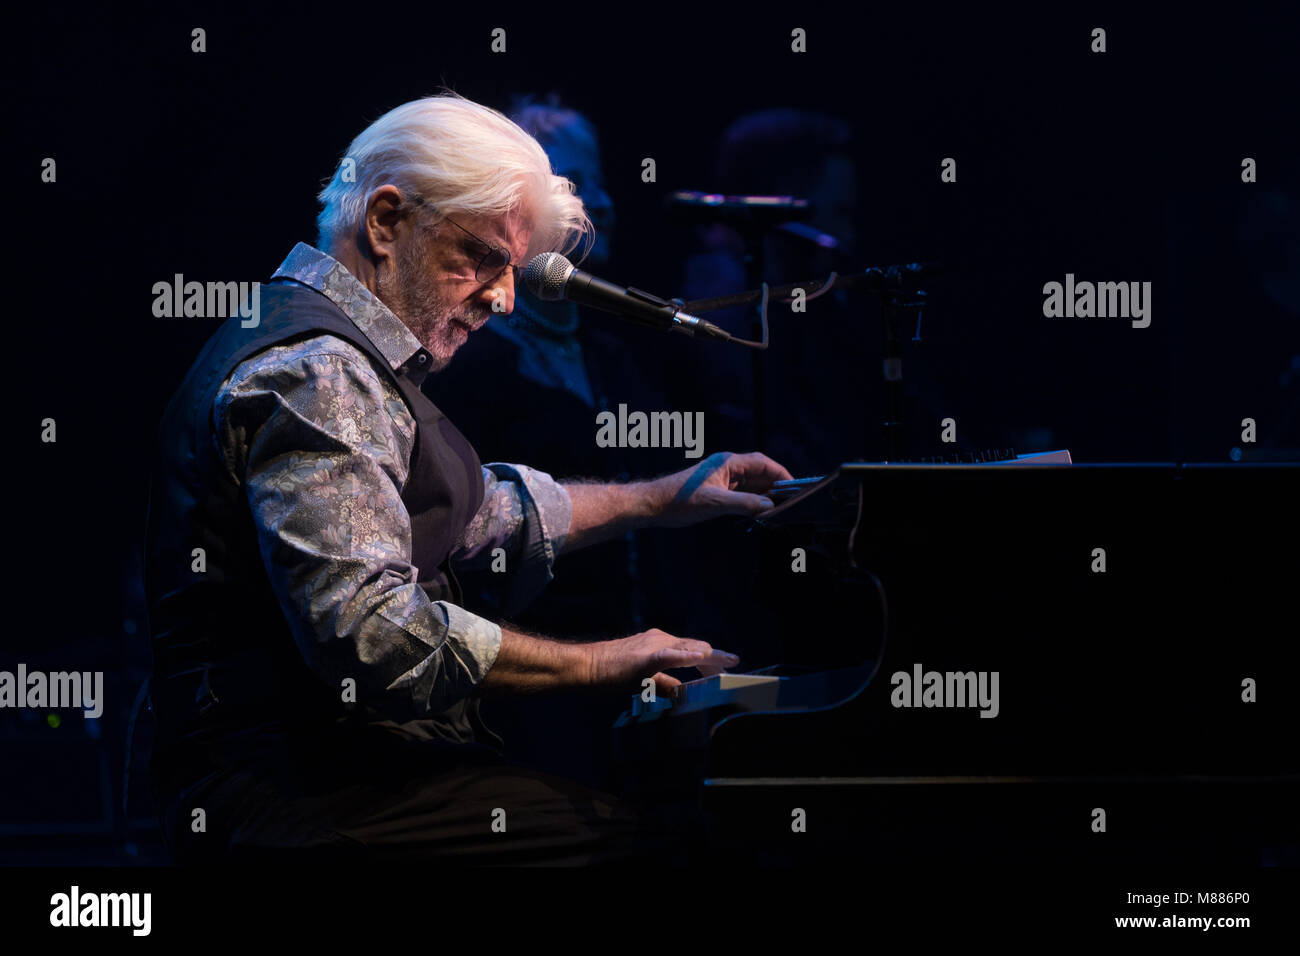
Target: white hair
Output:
[(460, 157)]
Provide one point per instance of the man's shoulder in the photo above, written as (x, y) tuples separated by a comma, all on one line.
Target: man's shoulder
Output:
[(324, 355), (323, 379), (323, 384)]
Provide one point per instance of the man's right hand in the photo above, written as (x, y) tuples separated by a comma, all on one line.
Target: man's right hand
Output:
[(622, 664)]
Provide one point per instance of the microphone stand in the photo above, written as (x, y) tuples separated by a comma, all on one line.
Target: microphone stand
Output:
[(755, 271), (890, 283), (895, 306)]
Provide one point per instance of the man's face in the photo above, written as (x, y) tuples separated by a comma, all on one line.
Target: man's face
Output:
[(432, 288)]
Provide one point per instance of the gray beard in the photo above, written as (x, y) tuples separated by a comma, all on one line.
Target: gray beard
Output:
[(410, 297)]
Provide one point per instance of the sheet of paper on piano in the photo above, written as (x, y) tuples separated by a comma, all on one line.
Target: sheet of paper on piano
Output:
[(1061, 457)]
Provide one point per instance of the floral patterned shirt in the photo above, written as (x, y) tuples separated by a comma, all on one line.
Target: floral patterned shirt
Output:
[(322, 443)]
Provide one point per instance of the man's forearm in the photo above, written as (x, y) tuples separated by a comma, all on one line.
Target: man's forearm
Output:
[(527, 664), (602, 512)]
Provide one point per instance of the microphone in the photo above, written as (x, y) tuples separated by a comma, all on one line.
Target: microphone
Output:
[(552, 277)]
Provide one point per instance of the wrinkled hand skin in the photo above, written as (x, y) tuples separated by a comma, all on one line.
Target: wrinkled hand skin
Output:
[(623, 664), (725, 483)]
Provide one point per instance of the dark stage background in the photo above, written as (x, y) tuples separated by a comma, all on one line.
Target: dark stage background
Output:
[(1123, 166)]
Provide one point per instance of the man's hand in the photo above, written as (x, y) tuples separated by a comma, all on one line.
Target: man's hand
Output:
[(623, 664), (722, 484)]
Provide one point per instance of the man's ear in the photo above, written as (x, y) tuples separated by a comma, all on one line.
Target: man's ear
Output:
[(382, 223)]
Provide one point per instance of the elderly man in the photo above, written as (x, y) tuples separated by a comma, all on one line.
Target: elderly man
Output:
[(317, 676)]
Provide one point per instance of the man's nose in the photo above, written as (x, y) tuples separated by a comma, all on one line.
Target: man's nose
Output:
[(502, 290)]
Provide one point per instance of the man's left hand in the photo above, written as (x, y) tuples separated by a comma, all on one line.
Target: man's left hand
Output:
[(722, 484)]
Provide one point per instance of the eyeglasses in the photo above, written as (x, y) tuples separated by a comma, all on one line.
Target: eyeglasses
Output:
[(494, 262)]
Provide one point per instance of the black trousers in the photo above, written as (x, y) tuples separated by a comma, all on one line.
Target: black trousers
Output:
[(399, 800)]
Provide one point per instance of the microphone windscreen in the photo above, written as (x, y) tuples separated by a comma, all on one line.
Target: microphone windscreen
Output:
[(546, 276)]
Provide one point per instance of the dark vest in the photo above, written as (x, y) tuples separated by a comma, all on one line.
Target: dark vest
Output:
[(226, 665)]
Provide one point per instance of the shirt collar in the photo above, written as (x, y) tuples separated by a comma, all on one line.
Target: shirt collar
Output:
[(388, 333)]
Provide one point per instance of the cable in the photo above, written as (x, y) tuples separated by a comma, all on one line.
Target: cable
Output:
[(824, 289), (762, 314), (762, 311), (880, 588)]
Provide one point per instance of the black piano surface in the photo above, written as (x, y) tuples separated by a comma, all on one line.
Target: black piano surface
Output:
[(1118, 690)]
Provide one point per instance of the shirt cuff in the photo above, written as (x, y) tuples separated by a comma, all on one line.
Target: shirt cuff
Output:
[(475, 640), (548, 510)]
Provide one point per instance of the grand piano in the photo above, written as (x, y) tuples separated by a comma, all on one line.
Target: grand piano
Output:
[(1083, 662)]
